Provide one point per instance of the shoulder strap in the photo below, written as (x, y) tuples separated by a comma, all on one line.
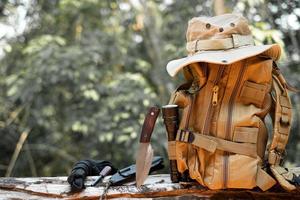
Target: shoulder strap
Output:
[(282, 120), (192, 85), (174, 96), (282, 117), (278, 74)]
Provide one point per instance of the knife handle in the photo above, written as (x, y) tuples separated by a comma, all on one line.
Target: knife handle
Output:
[(148, 125), (105, 171)]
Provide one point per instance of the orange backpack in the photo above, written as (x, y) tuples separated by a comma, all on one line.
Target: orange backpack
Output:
[(231, 86)]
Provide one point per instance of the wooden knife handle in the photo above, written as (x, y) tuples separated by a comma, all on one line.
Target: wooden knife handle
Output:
[(148, 125)]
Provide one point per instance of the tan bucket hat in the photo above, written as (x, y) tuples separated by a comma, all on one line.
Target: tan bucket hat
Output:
[(223, 39)]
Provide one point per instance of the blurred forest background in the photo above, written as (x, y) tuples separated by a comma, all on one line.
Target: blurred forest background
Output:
[(77, 76)]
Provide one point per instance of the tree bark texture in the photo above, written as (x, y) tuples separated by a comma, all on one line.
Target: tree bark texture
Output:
[(156, 186)]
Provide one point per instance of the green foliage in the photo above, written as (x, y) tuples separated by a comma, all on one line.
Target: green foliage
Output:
[(83, 73)]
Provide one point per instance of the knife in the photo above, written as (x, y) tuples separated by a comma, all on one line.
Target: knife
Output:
[(145, 152)]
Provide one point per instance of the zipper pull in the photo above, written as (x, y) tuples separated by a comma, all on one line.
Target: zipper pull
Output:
[(215, 95)]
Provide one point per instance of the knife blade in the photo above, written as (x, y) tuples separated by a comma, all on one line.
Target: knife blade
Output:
[(145, 152)]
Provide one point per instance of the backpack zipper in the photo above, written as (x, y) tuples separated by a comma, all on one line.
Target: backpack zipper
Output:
[(229, 121), (213, 100)]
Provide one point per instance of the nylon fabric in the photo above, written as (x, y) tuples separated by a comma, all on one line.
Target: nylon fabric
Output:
[(210, 143), (232, 85), (264, 181), (171, 150), (279, 173), (282, 116), (222, 123)]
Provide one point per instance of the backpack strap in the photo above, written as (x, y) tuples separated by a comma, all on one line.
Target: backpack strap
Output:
[(195, 80), (211, 143), (278, 74), (178, 97), (282, 117), (283, 176), (177, 93), (282, 121)]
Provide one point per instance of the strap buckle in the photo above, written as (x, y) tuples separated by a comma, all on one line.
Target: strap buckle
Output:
[(185, 136), (276, 157), (194, 88)]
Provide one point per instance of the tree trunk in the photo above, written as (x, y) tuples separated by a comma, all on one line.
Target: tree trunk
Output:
[(156, 186)]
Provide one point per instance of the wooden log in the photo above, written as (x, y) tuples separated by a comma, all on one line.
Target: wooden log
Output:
[(156, 186)]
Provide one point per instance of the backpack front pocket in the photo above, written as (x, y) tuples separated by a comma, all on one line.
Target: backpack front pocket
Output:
[(245, 134), (253, 93), (242, 171)]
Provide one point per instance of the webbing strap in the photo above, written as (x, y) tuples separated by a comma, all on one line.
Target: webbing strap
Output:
[(283, 176), (211, 143), (177, 91), (178, 98), (282, 120), (263, 180), (235, 41), (172, 150)]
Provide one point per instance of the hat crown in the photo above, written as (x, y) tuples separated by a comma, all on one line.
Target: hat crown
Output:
[(221, 40), (218, 27)]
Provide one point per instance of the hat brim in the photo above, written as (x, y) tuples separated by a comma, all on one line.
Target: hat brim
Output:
[(224, 57)]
